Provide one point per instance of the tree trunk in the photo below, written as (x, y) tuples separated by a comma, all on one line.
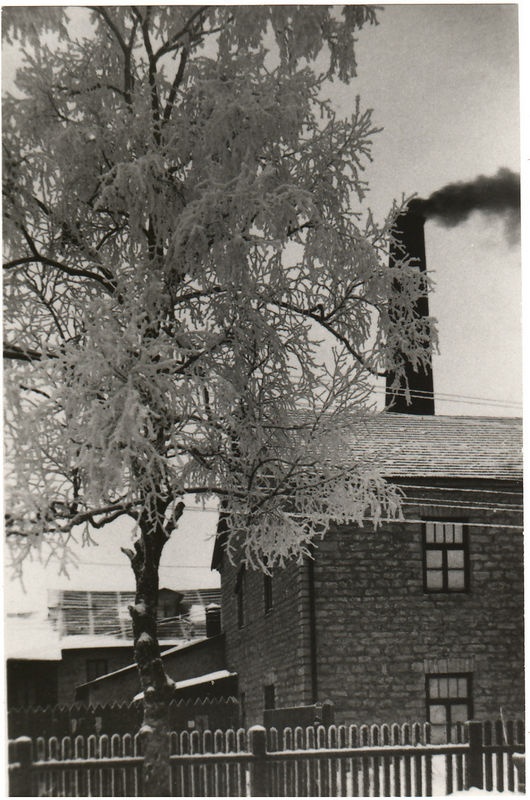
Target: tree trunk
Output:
[(157, 687)]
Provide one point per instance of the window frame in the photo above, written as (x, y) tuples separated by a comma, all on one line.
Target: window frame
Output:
[(92, 666), (448, 702), (444, 548)]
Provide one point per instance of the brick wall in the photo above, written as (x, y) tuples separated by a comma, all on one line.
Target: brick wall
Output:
[(272, 647), (379, 634)]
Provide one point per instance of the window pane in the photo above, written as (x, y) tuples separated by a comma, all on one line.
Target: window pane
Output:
[(437, 715), (453, 687), (438, 532), (429, 532), (459, 536), (449, 537), (462, 687), (434, 579), (433, 687), (456, 579), (455, 559), (434, 559), (459, 712), (438, 734), (444, 687)]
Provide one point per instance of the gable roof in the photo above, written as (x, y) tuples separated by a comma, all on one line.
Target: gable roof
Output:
[(405, 445)]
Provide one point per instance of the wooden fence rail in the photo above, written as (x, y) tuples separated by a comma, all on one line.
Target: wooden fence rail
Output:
[(338, 761)]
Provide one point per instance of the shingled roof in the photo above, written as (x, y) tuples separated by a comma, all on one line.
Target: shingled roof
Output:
[(412, 446), (405, 445)]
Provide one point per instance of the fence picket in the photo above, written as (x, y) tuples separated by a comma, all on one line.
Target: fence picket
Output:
[(460, 772), (242, 742), (510, 767), (66, 776), (332, 769), (449, 774), (395, 739), (499, 765), (488, 765), (322, 766), (195, 769), (428, 760), (353, 736)]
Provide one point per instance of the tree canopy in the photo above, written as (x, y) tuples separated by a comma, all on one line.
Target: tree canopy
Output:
[(195, 301)]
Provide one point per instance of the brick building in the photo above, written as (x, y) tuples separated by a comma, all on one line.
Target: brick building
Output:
[(419, 619)]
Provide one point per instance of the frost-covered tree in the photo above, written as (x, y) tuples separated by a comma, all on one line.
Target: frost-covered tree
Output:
[(194, 304)]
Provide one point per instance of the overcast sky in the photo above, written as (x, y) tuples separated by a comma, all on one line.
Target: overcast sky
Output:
[(442, 80)]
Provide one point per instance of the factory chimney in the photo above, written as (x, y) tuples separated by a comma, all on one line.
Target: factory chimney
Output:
[(409, 240)]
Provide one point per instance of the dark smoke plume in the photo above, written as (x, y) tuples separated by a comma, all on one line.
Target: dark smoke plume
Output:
[(499, 194)]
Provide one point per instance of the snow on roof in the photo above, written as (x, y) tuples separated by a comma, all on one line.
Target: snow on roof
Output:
[(210, 677), (30, 637), (172, 649), (93, 640)]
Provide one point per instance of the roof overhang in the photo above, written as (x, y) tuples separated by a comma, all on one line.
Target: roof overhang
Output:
[(210, 678)]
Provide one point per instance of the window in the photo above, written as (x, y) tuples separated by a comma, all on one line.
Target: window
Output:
[(449, 701), (240, 597), (446, 557), (95, 667), (269, 696), (267, 592)]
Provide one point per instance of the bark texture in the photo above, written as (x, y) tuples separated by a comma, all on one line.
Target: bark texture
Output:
[(157, 687)]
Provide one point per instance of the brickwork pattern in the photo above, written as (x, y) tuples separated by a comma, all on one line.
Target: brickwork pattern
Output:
[(273, 646), (379, 634)]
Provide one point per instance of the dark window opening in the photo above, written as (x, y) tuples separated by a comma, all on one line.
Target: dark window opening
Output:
[(449, 702), (269, 694), (445, 557), (95, 667), (267, 591), (240, 597)]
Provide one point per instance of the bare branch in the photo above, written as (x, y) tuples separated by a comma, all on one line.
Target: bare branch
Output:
[(16, 353), (172, 43), (106, 281), (175, 86)]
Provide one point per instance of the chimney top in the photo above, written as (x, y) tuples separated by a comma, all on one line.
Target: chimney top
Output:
[(409, 240)]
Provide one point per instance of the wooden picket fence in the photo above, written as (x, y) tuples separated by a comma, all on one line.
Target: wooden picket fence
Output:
[(337, 761)]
